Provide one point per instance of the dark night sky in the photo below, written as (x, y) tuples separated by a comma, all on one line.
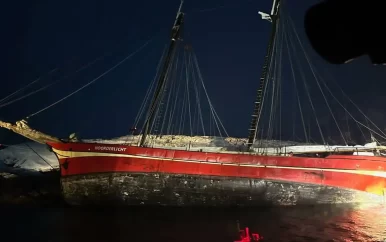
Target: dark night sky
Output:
[(230, 43)]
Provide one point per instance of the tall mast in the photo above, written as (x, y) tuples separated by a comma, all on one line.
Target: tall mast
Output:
[(152, 111), (273, 18)]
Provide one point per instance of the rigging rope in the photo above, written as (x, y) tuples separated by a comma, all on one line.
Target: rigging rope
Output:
[(51, 84), (270, 80), (149, 91), (316, 79), (183, 111), (52, 168), (353, 116), (356, 106), (159, 110), (25, 87), (276, 86), (280, 81), (264, 98), (320, 79), (173, 111), (348, 127), (187, 92), (199, 110), (207, 96), (306, 88), (91, 82), (171, 89), (271, 112), (146, 98), (177, 112), (329, 90), (296, 90)]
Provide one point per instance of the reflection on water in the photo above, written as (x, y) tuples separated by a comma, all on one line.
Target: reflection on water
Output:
[(322, 223)]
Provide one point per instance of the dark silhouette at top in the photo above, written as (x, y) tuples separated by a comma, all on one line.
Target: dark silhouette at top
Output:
[(342, 30)]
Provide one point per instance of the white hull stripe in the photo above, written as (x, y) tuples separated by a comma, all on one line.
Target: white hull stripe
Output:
[(72, 154)]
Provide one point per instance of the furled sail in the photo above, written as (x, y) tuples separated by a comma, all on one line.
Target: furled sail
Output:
[(21, 127)]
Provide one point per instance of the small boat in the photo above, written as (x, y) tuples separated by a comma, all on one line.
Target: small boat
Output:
[(246, 237)]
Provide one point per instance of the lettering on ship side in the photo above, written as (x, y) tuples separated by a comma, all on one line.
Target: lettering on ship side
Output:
[(109, 148)]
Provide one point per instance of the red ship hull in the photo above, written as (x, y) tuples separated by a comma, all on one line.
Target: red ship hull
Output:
[(107, 173)]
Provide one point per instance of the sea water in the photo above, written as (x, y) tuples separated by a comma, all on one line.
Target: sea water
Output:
[(311, 223)]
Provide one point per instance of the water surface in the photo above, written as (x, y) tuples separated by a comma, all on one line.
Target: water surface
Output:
[(320, 223)]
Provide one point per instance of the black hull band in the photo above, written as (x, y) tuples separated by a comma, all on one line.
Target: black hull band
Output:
[(187, 190)]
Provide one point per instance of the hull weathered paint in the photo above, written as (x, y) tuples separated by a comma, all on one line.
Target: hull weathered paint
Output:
[(101, 173), (186, 190)]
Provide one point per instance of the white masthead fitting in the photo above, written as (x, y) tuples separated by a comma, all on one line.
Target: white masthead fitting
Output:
[(265, 16), (274, 11)]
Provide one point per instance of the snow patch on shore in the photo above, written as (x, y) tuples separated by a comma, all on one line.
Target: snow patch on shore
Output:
[(25, 157)]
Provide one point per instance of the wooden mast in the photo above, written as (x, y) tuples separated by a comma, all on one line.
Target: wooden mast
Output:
[(272, 17), (152, 111)]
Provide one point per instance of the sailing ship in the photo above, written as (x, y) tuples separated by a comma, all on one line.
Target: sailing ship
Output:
[(144, 173)]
